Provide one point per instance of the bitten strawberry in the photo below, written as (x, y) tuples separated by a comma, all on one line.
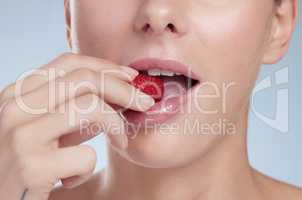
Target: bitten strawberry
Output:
[(151, 85)]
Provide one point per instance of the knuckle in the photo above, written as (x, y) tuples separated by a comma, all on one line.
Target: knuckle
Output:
[(90, 98), (86, 74), (94, 103), (88, 106), (67, 56), (26, 169), (84, 81), (8, 106), (17, 141), (7, 112), (94, 95), (91, 158), (5, 94), (70, 58)]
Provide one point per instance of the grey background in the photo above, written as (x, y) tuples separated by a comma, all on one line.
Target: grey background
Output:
[(32, 33)]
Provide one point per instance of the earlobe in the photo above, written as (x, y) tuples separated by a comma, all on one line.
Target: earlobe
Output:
[(282, 27), (68, 22)]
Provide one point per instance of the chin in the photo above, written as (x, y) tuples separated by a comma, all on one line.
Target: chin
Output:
[(157, 148)]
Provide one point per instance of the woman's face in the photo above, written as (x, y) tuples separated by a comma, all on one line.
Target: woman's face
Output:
[(222, 42)]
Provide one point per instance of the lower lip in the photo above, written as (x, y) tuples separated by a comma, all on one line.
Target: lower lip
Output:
[(163, 111)]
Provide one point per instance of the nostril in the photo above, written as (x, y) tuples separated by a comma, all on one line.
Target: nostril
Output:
[(146, 27), (172, 28)]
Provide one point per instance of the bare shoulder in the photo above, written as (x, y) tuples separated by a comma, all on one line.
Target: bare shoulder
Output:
[(84, 191), (277, 190)]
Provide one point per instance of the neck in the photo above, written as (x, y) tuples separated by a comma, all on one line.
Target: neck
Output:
[(223, 173)]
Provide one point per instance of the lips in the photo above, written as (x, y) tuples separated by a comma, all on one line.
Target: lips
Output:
[(179, 81), (167, 65)]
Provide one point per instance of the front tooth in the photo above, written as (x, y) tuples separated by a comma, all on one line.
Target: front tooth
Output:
[(154, 72), (166, 73)]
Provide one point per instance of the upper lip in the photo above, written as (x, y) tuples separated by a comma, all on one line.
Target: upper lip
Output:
[(167, 64)]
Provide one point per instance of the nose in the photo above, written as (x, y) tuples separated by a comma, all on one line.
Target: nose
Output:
[(159, 17)]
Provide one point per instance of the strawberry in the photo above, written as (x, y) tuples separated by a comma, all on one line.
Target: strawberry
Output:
[(151, 85)]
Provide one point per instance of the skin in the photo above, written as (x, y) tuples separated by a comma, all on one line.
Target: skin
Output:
[(222, 41)]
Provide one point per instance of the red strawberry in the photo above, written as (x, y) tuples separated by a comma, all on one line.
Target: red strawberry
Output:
[(151, 85)]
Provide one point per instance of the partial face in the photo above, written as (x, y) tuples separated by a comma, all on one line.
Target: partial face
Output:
[(221, 42)]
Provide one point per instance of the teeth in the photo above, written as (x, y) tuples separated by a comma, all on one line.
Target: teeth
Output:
[(154, 72), (158, 72), (166, 73)]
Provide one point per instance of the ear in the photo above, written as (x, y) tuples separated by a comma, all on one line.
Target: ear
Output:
[(68, 22), (283, 23)]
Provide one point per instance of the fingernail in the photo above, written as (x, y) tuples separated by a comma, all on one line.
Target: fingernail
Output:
[(144, 101), (130, 71)]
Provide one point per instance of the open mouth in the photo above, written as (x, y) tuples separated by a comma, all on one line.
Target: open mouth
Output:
[(178, 81), (170, 76)]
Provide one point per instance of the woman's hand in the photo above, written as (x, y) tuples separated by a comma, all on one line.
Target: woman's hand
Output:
[(40, 128)]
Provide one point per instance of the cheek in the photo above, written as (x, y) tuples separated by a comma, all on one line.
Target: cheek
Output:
[(234, 27), (236, 36), (231, 44), (99, 27)]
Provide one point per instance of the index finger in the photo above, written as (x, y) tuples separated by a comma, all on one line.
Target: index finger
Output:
[(61, 66)]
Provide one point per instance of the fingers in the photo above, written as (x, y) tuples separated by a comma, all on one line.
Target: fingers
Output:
[(82, 112), (47, 168), (75, 181), (43, 100), (33, 140), (79, 136), (61, 66), (76, 161)]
